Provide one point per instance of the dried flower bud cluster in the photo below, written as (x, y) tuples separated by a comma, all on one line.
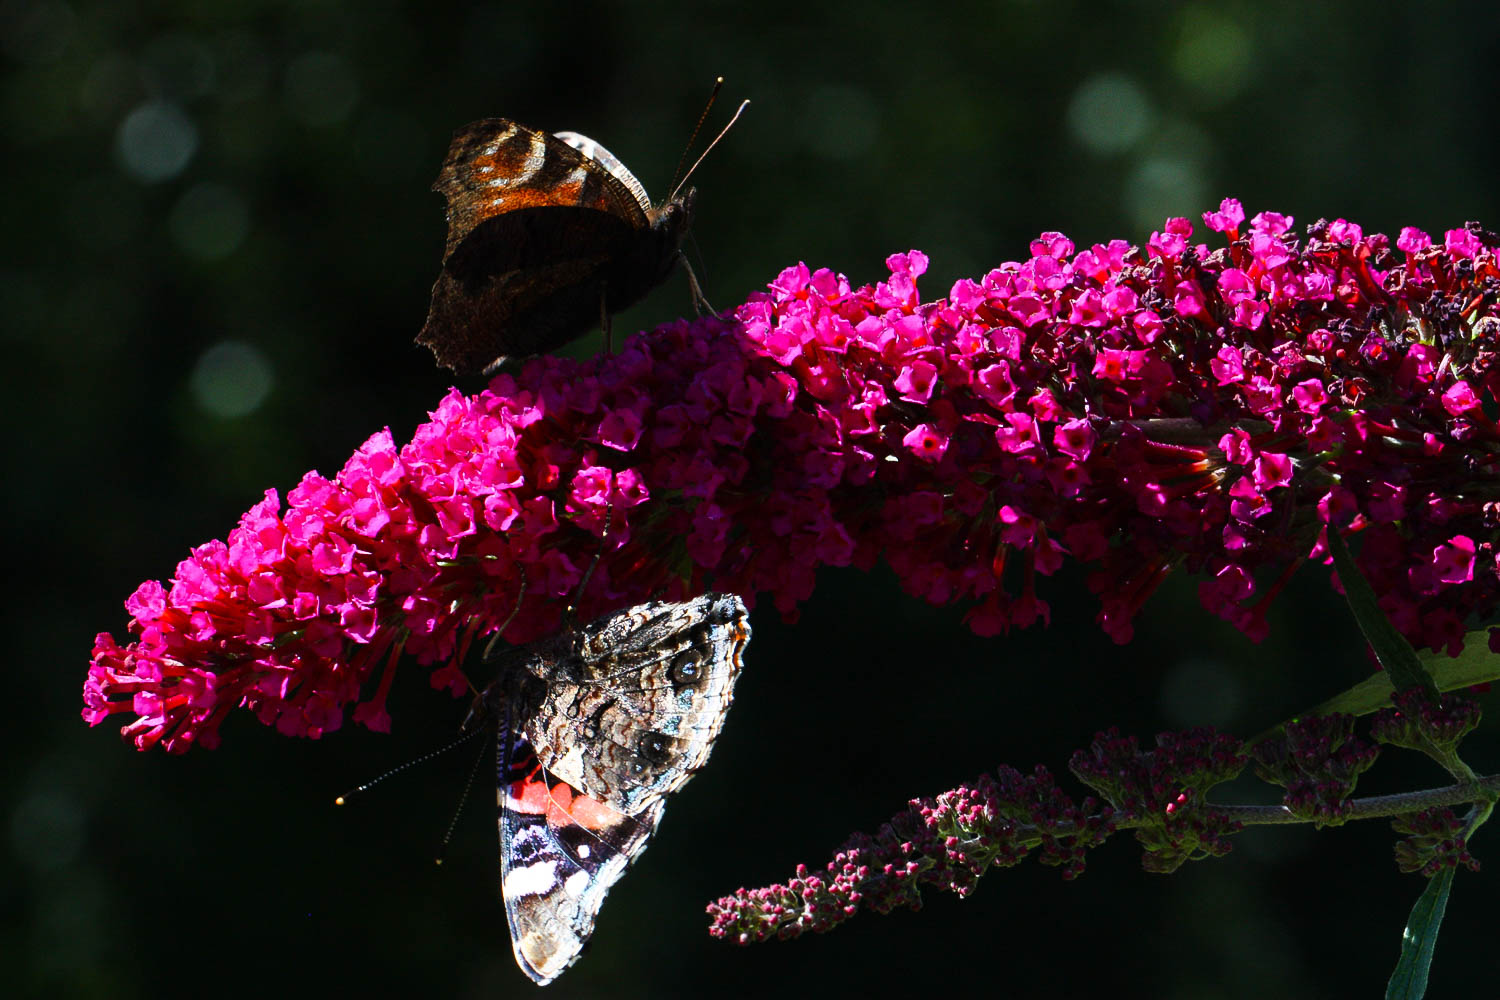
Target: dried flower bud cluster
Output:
[(1166, 790), (946, 842), (1318, 760), (1417, 724), (1435, 841), (1135, 408)]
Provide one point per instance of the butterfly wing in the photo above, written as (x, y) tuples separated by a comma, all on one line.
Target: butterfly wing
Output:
[(533, 227), (609, 161), (478, 319), (560, 852), (627, 709), (495, 166), (651, 686)]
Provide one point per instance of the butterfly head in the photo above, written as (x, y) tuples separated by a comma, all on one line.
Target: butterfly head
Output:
[(671, 220), (514, 691)]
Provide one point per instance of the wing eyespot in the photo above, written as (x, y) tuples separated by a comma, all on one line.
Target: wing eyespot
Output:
[(654, 748), (687, 667)]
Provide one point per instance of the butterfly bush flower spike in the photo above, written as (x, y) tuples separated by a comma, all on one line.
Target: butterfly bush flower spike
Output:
[(946, 842), (1206, 407)]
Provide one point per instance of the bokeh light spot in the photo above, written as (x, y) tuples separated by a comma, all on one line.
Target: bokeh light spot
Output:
[(1213, 53), (210, 221), (232, 379), (1164, 187), (1202, 693), (1108, 113), (156, 141)]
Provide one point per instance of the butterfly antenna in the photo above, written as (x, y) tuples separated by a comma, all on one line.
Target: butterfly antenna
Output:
[(710, 149), (462, 801), (343, 799), (712, 96)]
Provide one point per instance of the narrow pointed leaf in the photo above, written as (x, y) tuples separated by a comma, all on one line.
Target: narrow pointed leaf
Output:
[(1409, 981), (1475, 665), (1391, 648)]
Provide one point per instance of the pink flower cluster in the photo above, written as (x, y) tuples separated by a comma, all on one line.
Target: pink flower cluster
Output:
[(1138, 409)]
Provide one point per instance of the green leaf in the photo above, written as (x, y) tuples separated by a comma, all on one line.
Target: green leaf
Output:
[(1409, 981), (1475, 665), (1391, 648)]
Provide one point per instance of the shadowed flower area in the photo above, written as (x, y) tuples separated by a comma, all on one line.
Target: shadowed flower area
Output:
[(1138, 409)]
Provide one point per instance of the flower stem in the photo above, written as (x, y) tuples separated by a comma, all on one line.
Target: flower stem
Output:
[(1371, 807)]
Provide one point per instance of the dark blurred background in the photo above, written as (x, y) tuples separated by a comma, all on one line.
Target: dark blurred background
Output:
[(220, 240)]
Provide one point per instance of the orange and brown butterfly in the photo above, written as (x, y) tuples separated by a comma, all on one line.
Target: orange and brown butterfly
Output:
[(547, 235)]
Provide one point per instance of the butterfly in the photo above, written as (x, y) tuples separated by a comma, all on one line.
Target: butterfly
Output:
[(547, 235), (597, 725)]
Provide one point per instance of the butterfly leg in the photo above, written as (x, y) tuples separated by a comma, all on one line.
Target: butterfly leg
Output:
[(589, 573), (604, 324), (701, 305), (489, 649)]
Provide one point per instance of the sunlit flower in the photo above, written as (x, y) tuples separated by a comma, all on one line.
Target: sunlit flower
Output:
[(1136, 409)]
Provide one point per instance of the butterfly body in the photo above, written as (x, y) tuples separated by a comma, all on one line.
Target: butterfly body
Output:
[(547, 236), (598, 725)]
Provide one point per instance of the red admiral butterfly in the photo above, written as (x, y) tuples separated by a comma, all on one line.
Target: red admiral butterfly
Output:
[(597, 725), (547, 234)]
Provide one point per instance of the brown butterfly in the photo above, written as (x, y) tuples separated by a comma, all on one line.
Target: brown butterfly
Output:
[(547, 234)]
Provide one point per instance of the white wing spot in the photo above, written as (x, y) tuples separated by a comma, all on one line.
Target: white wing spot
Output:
[(577, 883), (533, 880)]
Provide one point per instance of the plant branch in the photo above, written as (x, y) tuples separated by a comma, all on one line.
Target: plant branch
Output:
[(1484, 790)]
